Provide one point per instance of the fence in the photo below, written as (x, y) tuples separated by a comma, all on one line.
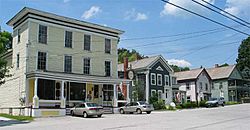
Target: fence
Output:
[(17, 110)]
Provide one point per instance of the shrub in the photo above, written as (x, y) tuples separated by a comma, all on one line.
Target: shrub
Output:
[(189, 105), (169, 107), (179, 107), (159, 105), (202, 103)]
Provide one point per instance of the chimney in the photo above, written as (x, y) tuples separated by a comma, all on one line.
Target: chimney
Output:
[(125, 67), (216, 65)]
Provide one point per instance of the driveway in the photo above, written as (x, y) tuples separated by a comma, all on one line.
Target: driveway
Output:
[(236, 117)]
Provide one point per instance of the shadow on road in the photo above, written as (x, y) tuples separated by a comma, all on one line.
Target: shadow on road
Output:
[(11, 122)]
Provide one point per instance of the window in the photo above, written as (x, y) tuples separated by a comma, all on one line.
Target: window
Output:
[(42, 35), (201, 86), (188, 86), (221, 85), (96, 91), (68, 64), (41, 62), (212, 85), (159, 79), (18, 35), (86, 66), (153, 79), (166, 93), (188, 99), (108, 92), (166, 80), (107, 68), (206, 87), (174, 80), (159, 94), (46, 89), (87, 42), (17, 60), (68, 39), (107, 46), (153, 92), (77, 91)]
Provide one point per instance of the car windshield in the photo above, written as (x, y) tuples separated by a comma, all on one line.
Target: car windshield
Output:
[(92, 104), (143, 103), (213, 99)]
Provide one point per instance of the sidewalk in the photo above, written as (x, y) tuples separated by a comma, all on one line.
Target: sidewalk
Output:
[(4, 119)]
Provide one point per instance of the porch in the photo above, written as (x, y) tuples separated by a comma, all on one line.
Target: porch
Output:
[(51, 93)]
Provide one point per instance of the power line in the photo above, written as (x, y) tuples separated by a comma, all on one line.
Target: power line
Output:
[(220, 13), (206, 18), (226, 12)]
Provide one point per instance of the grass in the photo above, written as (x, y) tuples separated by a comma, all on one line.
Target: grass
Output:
[(19, 118), (232, 103)]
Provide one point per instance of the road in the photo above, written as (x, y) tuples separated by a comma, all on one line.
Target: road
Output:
[(236, 117)]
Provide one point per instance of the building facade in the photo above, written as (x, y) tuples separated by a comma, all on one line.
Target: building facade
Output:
[(152, 75), (229, 83), (59, 62), (196, 83)]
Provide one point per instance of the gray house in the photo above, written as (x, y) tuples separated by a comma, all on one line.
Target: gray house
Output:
[(228, 83), (152, 75)]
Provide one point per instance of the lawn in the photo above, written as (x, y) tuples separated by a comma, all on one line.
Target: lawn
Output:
[(19, 118)]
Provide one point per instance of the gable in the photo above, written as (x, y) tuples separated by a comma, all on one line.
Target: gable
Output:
[(164, 64), (158, 67), (235, 74)]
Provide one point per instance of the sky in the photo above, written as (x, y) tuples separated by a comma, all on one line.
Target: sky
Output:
[(153, 27)]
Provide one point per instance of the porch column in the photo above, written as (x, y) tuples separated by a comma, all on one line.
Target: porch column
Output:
[(62, 95), (128, 99), (147, 86), (115, 96), (35, 98)]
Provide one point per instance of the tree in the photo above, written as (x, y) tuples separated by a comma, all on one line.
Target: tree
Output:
[(138, 93), (132, 55), (178, 69), (223, 65), (5, 44), (243, 59)]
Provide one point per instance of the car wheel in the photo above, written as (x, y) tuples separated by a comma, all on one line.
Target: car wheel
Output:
[(72, 113), (99, 115), (222, 104), (122, 111), (148, 112), (138, 111), (85, 115)]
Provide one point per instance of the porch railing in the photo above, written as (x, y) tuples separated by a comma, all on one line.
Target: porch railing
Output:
[(21, 110)]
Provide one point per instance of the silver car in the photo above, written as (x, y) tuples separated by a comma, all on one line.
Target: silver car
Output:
[(137, 107), (87, 109), (215, 102)]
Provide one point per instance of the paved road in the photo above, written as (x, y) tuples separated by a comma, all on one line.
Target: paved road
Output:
[(235, 117)]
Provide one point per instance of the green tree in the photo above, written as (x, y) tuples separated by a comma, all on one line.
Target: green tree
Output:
[(138, 93), (178, 69), (243, 59), (223, 65), (5, 44), (132, 55)]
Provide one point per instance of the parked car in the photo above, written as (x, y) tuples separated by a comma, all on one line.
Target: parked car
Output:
[(87, 109), (215, 102), (137, 107)]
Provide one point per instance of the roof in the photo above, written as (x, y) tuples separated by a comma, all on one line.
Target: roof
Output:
[(145, 63), (188, 75), (221, 72), (139, 64), (27, 10)]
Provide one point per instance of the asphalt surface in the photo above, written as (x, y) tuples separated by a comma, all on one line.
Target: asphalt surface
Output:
[(236, 117)]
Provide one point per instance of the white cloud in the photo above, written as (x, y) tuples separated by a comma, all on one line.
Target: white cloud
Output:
[(66, 1), (181, 63), (94, 10), (188, 4), (134, 15), (238, 7)]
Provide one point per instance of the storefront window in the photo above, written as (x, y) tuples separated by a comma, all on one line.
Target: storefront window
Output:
[(108, 92), (77, 91), (46, 89)]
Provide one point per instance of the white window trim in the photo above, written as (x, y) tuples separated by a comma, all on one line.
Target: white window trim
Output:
[(160, 95), (111, 70), (158, 79), (89, 66), (47, 55), (110, 45), (64, 63), (167, 78), (18, 61), (38, 34), (152, 90), (90, 48), (151, 79), (65, 37)]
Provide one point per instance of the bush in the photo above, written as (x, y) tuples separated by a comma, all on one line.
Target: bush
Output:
[(189, 105), (159, 105), (179, 107), (169, 107), (202, 103)]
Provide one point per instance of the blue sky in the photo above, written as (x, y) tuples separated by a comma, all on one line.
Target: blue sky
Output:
[(153, 18)]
